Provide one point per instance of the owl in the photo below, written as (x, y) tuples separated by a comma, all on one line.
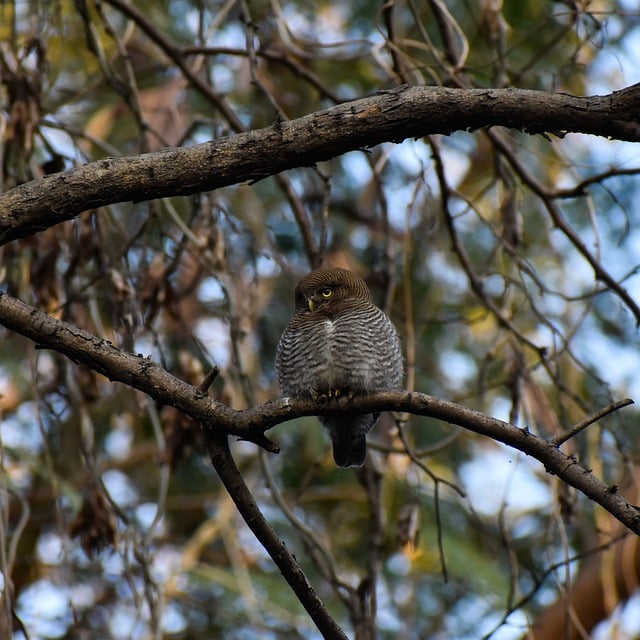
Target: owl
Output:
[(339, 343)]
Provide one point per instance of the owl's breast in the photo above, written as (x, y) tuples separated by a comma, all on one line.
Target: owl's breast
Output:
[(344, 358), (357, 351)]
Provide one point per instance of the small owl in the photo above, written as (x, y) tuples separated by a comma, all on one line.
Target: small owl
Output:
[(338, 343)]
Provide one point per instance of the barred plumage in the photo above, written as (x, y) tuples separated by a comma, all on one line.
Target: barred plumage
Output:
[(338, 343)]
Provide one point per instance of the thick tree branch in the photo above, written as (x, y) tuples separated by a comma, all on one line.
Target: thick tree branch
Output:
[(390, 116), (142, 374)]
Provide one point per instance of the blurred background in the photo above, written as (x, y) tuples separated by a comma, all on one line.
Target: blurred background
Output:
[(482, 246)]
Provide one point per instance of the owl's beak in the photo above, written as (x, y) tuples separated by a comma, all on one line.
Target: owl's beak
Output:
[(312, 304)]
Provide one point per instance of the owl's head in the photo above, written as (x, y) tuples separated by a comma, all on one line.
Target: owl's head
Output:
[(323, 289)]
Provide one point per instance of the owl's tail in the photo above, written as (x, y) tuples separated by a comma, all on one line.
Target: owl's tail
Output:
[(349, 438)]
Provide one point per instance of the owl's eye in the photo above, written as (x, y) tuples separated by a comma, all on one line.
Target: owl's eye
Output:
[(326, 292)]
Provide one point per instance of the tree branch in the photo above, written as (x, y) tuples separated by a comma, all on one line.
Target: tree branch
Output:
[(225, 466), (142, 374), (589, 420), (390, 116)]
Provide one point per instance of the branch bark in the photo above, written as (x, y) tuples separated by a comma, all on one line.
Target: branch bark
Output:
[(389, 116)]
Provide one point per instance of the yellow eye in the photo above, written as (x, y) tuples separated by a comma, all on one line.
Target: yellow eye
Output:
[(326, 292)]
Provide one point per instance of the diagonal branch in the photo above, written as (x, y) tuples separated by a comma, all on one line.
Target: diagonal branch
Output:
[(587, 421), (225, 466), (389, 116)]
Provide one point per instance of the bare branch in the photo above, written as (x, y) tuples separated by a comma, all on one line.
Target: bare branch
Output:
[(589, 420), (250, 424), (233, 481), (391, 116), (599, 270), (175, 54)]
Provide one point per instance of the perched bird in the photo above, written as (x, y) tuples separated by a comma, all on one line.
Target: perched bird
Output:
[(339, 344)]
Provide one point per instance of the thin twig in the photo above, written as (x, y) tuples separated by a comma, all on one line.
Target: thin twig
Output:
[(589, 420), (318, 551), (175, 53), (207, 381), (273, 56), (475, 281), (561, 223)]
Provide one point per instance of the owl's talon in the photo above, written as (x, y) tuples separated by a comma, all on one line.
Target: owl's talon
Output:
[(331, 394), (345, 397)]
